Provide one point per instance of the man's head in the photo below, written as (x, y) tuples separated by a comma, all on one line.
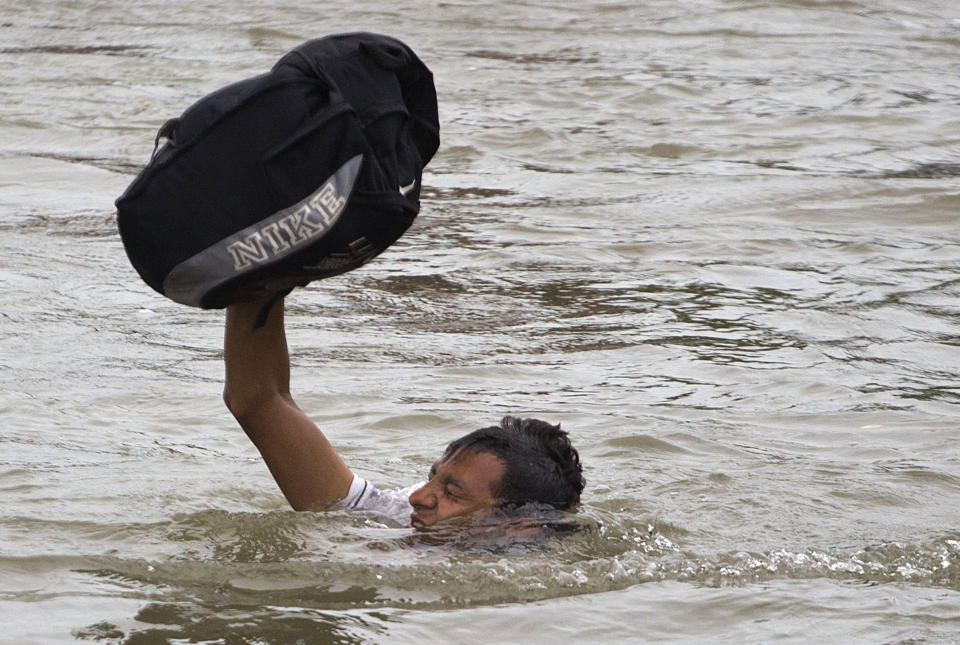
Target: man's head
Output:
[(521, 461)]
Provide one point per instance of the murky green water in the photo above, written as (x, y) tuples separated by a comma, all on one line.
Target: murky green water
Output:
[(718, 241)]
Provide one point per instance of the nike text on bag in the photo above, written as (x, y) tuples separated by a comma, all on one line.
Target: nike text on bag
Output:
[(302, 173)]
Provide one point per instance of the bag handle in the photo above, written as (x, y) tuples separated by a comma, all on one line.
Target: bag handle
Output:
[(337, 105), (318, 72), (386, 56)]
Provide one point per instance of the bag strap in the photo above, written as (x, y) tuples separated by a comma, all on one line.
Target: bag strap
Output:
[(265, 310), (167, 131)]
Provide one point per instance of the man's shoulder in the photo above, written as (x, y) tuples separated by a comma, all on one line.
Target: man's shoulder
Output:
[(364, 496)]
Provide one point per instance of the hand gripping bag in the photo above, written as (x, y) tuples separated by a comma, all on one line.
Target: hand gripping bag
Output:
[(299, 174)]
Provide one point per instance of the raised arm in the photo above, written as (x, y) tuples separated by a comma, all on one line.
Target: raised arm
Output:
[(309, 471)]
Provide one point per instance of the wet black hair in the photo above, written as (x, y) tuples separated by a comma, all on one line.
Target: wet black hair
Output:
[(540, 464)]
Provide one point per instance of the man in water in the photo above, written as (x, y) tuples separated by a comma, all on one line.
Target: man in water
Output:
[(516, 463)]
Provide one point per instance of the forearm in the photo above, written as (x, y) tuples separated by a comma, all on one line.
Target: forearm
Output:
[(304, 464), (257, 360)]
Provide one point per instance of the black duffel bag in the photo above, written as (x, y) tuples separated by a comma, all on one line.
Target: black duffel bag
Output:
[(302, 173)]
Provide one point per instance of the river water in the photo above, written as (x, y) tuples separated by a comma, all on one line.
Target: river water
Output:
[(718, 241)]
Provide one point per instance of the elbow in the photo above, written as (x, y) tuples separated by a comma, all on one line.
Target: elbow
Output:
[(243, 408), (244, 404), (239, 406), (228, 399)]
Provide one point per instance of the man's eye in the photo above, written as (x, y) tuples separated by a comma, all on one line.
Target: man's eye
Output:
[(453, 496)]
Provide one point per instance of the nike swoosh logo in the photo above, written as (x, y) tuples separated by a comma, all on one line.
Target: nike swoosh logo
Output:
[(406, 189)]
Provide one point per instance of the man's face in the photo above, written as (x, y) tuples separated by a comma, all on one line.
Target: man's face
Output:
[(460, 485)]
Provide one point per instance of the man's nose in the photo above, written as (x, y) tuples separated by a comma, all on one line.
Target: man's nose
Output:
[(423, 497)]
